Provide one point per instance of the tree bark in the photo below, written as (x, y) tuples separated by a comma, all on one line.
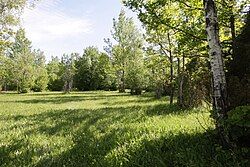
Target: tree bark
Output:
[(181, 78), (220, 102), (217, 67), (171, 71), (122, 84), (232, 27)]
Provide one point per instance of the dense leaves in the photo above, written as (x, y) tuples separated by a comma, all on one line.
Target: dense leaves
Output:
[(94, 71), (239, 69), (127, 54)]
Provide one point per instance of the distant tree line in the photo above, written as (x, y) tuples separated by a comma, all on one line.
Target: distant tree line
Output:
[(165, 59), (121, 67)]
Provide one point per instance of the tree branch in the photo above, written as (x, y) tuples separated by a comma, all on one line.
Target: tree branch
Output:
[(187, 5), (178, 29)]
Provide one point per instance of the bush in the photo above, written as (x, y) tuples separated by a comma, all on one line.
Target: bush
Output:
[(238, 125)]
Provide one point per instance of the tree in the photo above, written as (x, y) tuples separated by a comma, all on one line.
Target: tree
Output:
[(135, 75), (188, 28), (54, 70), (220, 101), (173, 23), (41, 75), (94, 71), (68, 62), (121, 34), (159, 39), (10, 12), (127, 54), (186, 20), (23, 63), (157, 72), (106, 73), (238, 75), (9, 18)]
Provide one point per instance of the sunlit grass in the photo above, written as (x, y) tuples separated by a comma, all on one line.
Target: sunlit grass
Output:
[(103, 129)]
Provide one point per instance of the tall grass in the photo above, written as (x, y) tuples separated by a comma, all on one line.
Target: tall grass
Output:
[(105, 129)]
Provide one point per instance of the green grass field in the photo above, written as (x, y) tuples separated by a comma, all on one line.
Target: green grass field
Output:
[(104, 129)]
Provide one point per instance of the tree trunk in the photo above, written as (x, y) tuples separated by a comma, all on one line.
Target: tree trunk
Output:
[(5, 87), (171, 72), (232, 27), (181, 78), (67, 88), (220, 102), (122, 82), (17, 88)]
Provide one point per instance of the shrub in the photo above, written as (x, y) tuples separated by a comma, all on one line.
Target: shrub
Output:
[(238, 125)]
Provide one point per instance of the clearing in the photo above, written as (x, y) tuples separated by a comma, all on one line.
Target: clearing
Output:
[(104, 129)]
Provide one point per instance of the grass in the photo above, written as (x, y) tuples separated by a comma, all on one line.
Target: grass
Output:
[(105, 129)]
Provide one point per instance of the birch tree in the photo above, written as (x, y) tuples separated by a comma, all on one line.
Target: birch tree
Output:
[(217, 67)]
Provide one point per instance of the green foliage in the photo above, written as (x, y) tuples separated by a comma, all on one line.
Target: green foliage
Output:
[(135, 77), (175, 29), (240, 116), (10, 11), (94, 71), (106, 129), (157, 72), (186, 20), (238, 75), (23, 69), (9, 17), (238, 125), (127, 54), (54, 71), (68, 70), (23, 63), (197, 83), (41, 75), (106, 72)]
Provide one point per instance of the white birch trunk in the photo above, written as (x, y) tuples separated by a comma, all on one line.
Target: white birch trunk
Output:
[(216, 61), (220, 104)]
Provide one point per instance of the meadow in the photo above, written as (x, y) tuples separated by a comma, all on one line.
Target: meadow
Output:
[(105, 129)]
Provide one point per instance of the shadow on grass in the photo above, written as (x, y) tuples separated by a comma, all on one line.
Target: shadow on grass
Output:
[(82, 93), (141, 100), (95, 142), (183, 149), (166, 109), (108, 136), (10, 155), (105, 137), (113, 113), (60, 98), (62, 123), (112, 150)]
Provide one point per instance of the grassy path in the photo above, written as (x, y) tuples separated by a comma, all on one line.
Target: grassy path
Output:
[(103, 129)]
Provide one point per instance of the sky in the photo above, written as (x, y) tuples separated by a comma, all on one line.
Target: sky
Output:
[(67, 26)]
